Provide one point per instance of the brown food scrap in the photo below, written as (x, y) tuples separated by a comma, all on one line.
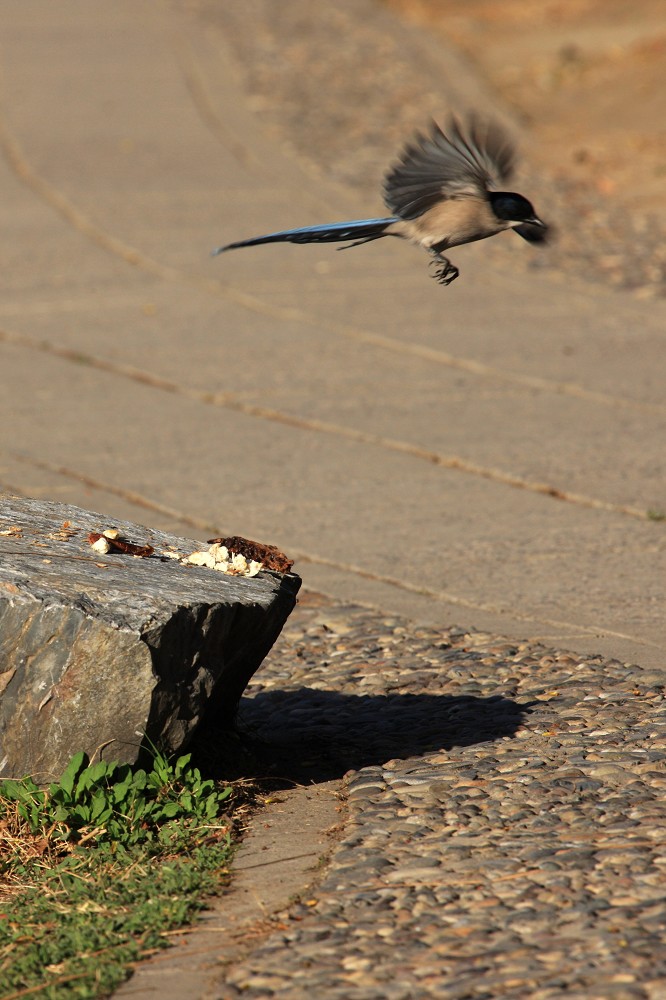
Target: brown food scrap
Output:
[(63, 534), (121, 545), (13, 531), (268, 555)]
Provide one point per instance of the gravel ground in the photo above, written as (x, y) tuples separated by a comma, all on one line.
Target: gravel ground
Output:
[(344, 89), (506, 834)]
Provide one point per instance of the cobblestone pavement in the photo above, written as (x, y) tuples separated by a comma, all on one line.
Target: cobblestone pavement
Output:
[(506, 834)]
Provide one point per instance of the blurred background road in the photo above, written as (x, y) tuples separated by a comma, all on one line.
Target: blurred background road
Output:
[(490, 454)]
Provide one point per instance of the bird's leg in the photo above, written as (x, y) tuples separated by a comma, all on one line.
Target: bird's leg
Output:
[(445, 271)]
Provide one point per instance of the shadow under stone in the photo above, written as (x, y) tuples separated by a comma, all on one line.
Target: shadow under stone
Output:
[(306, 735)]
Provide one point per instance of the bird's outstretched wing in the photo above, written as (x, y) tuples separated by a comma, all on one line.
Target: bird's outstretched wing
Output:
[(433, 167)]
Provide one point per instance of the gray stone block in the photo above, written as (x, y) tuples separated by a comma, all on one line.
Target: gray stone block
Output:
[(99, 650)]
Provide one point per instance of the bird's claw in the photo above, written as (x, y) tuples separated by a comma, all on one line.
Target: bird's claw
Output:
[(444, 271)]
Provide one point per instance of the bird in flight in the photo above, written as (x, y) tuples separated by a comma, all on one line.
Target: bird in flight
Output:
[(442, 193)]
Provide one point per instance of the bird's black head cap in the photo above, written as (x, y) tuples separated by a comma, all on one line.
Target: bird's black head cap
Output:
[(513, 208)]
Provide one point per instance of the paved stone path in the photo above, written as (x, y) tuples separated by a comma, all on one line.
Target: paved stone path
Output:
[(507, 823), (489, 454)]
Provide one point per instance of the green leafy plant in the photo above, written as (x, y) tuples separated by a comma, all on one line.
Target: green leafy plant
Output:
[(115, 803), (100, 866)]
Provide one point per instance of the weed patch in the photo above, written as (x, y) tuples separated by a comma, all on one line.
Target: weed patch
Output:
[(97, 868)]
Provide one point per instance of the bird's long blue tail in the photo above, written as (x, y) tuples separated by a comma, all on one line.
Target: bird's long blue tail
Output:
[(361, 231)]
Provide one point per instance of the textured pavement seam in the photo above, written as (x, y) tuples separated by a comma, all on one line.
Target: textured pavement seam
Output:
[(230, 401)]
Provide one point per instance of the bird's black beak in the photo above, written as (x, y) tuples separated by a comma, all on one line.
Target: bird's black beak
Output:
[(533, 230)]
